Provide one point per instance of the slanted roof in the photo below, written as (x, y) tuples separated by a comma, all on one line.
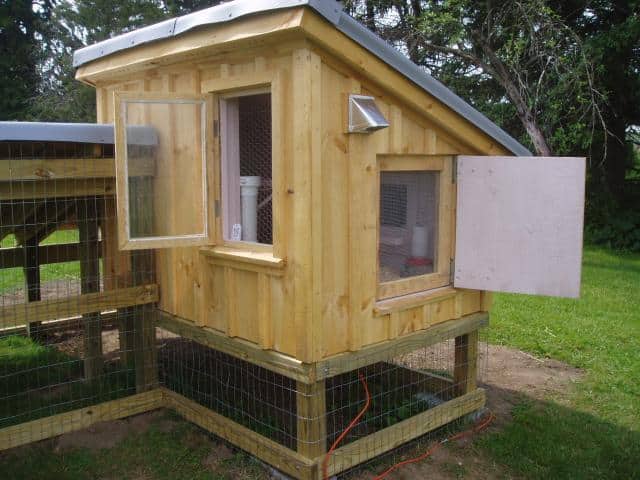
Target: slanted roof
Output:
[(330, 11), (72, 132)]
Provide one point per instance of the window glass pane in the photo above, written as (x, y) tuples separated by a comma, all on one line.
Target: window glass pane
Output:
[(165, 168), (408, 224), (247, 172)]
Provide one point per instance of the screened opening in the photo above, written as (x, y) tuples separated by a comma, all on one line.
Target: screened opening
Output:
[(162, 196), (247, 168), (408, 224)]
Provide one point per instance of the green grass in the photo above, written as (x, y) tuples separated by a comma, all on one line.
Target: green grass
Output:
[(37, 381), (12, 278), (595, 431)]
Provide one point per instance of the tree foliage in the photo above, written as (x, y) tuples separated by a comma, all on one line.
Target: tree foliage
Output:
[(560, 76)]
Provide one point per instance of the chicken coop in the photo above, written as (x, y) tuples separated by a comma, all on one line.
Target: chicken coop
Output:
[(281, 221)]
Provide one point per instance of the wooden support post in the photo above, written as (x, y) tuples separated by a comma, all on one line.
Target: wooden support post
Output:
[(142, 270), (312, 419), (32, 276), (87, 213), (466, 363)]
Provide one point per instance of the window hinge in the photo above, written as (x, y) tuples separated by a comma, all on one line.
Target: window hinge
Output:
[(454, 172), (452, 270), (216, 128)]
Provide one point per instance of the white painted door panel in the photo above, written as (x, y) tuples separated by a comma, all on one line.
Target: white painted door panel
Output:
[(519, 224)]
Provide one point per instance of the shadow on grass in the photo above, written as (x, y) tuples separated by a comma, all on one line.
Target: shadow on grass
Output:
[(546, 440)]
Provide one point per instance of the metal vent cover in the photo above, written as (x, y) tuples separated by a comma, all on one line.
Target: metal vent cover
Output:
[(364, 115)]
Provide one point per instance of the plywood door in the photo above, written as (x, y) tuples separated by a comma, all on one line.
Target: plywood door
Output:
[(519, 224)]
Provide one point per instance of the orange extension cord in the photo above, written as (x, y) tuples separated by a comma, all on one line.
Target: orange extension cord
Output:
[(475, 429)]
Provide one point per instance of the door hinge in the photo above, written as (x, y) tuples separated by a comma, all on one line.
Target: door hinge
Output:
[(216, 128), (216, 208)]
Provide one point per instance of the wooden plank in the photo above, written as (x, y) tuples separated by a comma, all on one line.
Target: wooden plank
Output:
[(107, 320), (88, 214), (405, 302), (61, 188), (57, 253), (260, 262), (61, 423), (465, 370), (274, 361), (412, 162), (68, 168), (301, 228), (345, 362), (32, 276), (391, 437), (311, 417), (282, 458), (20, 314)]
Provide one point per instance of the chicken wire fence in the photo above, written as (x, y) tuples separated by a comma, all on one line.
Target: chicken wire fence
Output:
[(396, 390), (77, 327), (72, 313)]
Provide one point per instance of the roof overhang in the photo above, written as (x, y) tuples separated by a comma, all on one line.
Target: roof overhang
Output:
[(192, 28)]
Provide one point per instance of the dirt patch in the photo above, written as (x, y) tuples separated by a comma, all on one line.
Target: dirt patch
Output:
[(509, 376), (512, 375), (107, 434)]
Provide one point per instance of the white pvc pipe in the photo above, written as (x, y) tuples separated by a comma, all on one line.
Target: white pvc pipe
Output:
[(249, 199)]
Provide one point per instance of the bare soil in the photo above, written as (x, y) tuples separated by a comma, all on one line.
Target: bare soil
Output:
[(509, 376)]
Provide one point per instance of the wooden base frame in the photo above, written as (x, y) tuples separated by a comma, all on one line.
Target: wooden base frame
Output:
[(304, 463)]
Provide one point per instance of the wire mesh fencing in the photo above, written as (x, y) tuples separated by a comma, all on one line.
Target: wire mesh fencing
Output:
[(73, 309), (356, 415)]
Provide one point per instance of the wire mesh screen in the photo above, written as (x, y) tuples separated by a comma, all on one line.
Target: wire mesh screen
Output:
[(255, 156), (73, 310), (395, 395), (408, 224)]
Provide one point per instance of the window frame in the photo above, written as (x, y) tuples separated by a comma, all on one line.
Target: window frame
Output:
[(236, 85), (207, 237), (441, 276), (226, 193)]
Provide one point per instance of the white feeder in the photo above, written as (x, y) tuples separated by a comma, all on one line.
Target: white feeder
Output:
[(249, 199)]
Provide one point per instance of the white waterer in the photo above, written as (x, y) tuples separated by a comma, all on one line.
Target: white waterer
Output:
[(249, 200), (419, 247)]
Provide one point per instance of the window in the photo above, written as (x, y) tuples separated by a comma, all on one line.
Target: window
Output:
[(414, 224), (246, 134), (161, 170)]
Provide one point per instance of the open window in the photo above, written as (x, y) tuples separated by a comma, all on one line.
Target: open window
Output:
[(246, 167), (162, 170), (414, 244)]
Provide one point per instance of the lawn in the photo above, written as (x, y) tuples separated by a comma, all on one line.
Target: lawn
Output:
[(11, 278), (594, 432), (589, 432)]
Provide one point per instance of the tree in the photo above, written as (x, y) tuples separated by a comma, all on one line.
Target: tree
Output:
[(568, 71), (78, 23), (22, 33), (521, 47)]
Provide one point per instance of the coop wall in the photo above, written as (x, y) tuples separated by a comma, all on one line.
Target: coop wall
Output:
[(250, 298), (314, 293)]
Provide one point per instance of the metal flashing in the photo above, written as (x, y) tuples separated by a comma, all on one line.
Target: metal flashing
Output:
[(71, 132), (332, 12)]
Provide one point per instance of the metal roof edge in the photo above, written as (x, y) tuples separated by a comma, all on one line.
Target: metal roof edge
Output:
[(73, 132), (332, 12)]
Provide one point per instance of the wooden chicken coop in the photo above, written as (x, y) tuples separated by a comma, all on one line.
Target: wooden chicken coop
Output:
[(317, 206)]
